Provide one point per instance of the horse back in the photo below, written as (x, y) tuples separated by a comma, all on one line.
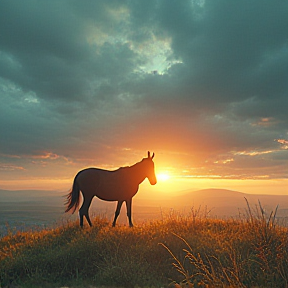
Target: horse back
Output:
[(107, 185)]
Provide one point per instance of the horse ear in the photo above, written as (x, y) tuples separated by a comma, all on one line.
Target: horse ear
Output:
[(149, 157)]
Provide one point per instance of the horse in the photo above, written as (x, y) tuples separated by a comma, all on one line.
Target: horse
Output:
[(118, 185)]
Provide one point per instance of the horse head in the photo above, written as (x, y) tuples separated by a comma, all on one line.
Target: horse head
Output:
[(149, 166)]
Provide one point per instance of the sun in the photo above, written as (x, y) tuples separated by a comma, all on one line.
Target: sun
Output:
[(163, 176)]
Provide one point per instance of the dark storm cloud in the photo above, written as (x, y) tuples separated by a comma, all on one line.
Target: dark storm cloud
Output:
[(229, 48), (44, 48), (88, 76)]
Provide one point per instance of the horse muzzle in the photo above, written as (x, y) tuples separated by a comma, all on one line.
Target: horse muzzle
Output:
[(153, 181)]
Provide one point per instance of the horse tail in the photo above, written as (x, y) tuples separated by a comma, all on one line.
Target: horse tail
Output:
[(73, 198)]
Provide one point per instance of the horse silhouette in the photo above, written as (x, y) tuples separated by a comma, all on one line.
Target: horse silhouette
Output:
[(118, 185)]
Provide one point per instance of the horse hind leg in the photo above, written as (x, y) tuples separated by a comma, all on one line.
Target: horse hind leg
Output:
[(88, 219), (84, 211), (129, 211)]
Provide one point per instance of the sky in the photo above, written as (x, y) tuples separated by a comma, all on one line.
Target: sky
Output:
[(202, 83)]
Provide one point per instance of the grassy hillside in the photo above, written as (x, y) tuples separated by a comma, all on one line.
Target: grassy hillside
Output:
[(192, 250)]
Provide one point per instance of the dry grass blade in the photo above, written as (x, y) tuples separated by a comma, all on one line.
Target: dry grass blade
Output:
[(178, 265)]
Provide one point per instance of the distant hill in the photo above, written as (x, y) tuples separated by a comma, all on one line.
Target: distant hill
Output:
[(38, 207), (213, 198), (209, 196), (228, 202)]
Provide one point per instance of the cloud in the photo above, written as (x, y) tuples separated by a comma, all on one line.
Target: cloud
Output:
[(204, 79)]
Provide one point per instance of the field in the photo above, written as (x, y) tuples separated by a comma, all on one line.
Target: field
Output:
[(176, 251)]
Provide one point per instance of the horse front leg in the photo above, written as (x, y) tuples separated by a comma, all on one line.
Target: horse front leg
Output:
[(117, 212), (129, 211)]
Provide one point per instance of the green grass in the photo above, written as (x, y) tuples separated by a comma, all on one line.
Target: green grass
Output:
[(193, 250)]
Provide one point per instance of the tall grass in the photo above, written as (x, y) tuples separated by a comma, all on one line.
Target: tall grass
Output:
[(189, 251)]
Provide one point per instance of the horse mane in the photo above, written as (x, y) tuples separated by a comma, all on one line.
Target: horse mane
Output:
[(132, 166), (123, 168)]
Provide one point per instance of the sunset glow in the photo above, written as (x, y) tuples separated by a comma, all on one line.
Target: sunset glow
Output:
[(162, 176), (101, 83)]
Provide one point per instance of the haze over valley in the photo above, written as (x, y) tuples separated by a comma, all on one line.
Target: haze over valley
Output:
[(37, 209)]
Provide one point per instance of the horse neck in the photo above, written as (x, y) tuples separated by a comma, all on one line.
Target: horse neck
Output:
[(138, 173)]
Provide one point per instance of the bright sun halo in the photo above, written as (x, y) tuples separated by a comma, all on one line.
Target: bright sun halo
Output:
[(163, 176)]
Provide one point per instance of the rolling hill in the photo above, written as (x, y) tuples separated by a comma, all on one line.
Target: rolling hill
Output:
[(36, 207), (228, 203)]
